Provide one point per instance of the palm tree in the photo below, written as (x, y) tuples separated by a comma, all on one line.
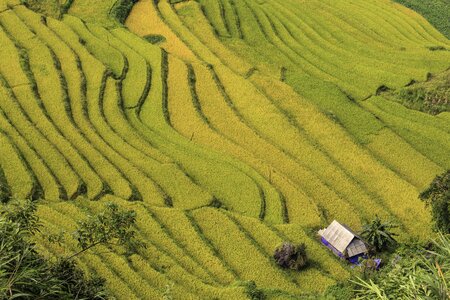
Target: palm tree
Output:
[(379, 234)]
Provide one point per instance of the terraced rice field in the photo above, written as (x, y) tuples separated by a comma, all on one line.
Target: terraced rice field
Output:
[(254, 122)]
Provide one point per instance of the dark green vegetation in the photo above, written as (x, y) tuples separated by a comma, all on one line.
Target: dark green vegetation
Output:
[(412, 272), (117, 10), (431, 96), (155, 38), (437, 12), (379, 234), (437, 196), (291, 256), (121, 9), (113, 227), (52, 8), (25, 274)]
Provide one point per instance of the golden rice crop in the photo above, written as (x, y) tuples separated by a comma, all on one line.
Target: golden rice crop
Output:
[(145, 19), (18, 180)]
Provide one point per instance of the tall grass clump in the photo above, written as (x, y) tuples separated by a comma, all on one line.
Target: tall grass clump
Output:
[(415, 273)]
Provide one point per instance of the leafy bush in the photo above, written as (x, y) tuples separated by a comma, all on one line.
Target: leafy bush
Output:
[(379, 234), (251, 289), (341, 291), (154, 38), (25, 274), (293, 257), (432, 97), (438, 197), (415, 274)]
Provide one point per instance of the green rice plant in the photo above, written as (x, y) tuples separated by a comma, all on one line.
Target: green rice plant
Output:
[(409, 27), (215, 12), (112, 175), (18, 182), (268, 239), (95, 84), (236, 249), (430, 141), (145, 19), (49, 184), (153, 230), (186, 236), (52, 156), (33, 112), (231, 20), (300, 47), (224, 119), (204, 52), (268, 122), (159, 279), (50, 84), (158, 123), (136, 283), (345, 182), (377, 19), (187, 117), (163, 263), (135, 161), (397, 154), (365, 73), (340, 46), (356, 41), (101, 13), (111, 58), (191, 15), (180, 192), (136, 81), (321, 16), (72, 81)]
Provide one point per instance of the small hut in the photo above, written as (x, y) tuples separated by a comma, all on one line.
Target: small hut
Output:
[(343, 242)]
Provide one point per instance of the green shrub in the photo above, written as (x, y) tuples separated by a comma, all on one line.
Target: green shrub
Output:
[(379, 234), (415, 274), (25, 274), (293, 257), (154, 38), (340, 291), (438, 197)]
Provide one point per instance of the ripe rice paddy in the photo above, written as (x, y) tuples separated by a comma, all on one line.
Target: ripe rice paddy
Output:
[(250, 123)]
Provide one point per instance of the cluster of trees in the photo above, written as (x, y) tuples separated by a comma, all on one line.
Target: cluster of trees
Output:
[(25, 274), (437, 197)]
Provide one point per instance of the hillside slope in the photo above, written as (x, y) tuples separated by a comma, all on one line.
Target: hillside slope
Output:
[(253, 122)]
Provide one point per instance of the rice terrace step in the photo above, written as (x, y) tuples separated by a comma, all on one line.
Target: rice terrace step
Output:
[(228, 127)]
